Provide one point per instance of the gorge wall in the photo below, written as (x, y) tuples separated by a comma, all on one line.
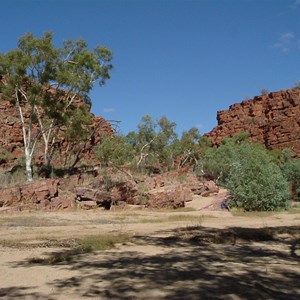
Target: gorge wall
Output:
[(11, 138), (273, 120)]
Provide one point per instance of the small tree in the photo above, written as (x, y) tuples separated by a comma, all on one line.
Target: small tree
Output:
[(114, 151), (187, 150), (264, 91), (43, 82), (297, 86), (153, 142)]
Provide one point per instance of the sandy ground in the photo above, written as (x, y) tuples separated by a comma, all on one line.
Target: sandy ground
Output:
[(182, 254)]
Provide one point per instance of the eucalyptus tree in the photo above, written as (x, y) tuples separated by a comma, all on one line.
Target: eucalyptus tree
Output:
[(153, 140), (44, 82)]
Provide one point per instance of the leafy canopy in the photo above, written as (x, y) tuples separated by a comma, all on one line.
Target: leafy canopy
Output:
[(48, 80)]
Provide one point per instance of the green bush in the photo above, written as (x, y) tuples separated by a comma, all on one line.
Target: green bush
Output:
[(217, 161), (256, 183), (291, 171)]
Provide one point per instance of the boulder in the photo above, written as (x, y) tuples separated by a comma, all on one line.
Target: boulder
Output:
[(173, 196), (210, 187), (39, 190), (62, 202), (124, 192), (89, 197), (197, 188), (10, 196), (203, 188), (88, 204)]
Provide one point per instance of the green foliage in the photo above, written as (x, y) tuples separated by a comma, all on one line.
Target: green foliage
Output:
[(217, 161), (290, 166), (187, 150), (291, 170), (255, 181), (250, 173), (156, 144), (153, 142), (48, 80), (113, 151), (102, 242), (157, 147), (76, 126)]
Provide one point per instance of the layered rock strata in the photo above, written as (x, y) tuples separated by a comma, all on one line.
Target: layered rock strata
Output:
[(273, 120)]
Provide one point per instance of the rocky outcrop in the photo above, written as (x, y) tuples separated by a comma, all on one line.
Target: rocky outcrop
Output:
[(53, 194), (273, 120), (168, 191), (11, 138), (40, 194)]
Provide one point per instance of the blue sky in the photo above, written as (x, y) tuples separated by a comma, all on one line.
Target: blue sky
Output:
[(182, 59)]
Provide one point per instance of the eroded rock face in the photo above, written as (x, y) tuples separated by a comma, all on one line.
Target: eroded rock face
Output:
[(11, 138), (273, 120)]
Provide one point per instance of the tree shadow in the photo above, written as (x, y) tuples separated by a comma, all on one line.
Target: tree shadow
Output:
[(192, 263), (21, 293)]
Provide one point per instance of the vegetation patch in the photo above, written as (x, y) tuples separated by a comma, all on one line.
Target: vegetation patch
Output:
[(258, 179), (80, 246), (102, 242)]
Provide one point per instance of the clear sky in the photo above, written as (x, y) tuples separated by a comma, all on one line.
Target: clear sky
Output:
[(180, 58)]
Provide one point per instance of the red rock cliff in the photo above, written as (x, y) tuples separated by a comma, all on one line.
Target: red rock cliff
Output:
[(272, 119), (11, 138)]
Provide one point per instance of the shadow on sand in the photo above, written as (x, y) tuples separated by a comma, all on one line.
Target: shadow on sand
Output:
[(190, 263)]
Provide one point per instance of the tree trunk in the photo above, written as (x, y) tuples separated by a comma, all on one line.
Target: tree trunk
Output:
[(29, 172), (29, 144)]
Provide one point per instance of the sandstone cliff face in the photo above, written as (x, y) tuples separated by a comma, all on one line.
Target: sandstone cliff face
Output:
[(272, 119), (11, 138)]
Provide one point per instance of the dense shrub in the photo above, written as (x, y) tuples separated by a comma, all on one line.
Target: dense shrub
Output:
[(256, 182), (217, 161), (291, 171), (248, 170)]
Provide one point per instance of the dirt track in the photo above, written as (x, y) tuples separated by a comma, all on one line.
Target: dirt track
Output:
[(172, 255)]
